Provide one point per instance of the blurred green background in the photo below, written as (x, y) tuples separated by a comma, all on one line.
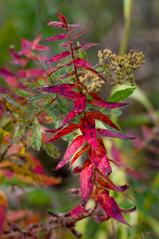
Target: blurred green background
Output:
[(105, 23)]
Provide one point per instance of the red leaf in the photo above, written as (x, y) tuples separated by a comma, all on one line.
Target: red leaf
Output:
[(63, 89), (79, 153), (77, 212), (97, 101), (78, 169), (115, 152), (72, 148), (110, 207), (80, 62), (58, 57), (87, 127), (5, 72), (100, 160), (113, 134), (36, 46), (56, 24), (68, 129), (89, 45), (62, 18), (66, 44), (79, 107), (71, 115), (100, 116), (86, 182), (31, 73), (107, 183), (17, 58), (57, 37)]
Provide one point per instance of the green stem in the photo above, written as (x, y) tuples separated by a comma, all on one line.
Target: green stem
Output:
[(128, 16)]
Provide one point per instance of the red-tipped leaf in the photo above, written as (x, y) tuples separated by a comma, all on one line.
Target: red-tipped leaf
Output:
[(87, 127), (113, 134), (100, 160), (97, 101), (63, 89), (57, 37), (100, 116), (110, 207), (72, 148), (58, 57), (86, 182), (68, 129)]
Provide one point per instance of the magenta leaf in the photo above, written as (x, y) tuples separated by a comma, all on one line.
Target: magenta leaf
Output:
[(58, 57), (79, 153), (86, 182), (97, 101), (100, 160), (68, 129), (87, 127), (72, 148), (80, 62), (113, 134), (89, 45), (77, 212), (100, 116), (36, 46), (108, 184), (17, 58), (63, 89), (57, 37), (110, 207), (56, 24), (79, 107), (5, 72)]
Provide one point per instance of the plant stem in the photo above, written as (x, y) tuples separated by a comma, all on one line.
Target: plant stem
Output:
[(128, 16)]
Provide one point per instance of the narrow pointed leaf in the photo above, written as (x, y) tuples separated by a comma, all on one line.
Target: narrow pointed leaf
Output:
[(72, 148), (58, 57), (79, 153), (100, 160), (107, 183), (97, 101), (113, 134), (5, 72), (86, 182), (80, 62), (68, 129), (100, 116), (62, 89), (79, 107), (57, 24), (110, 206), (87, 127), (61, 36), (77, 212), (89, 45)]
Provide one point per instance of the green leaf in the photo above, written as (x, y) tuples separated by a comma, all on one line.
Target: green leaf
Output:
[(121, 92), (51, 150), (36, 135)]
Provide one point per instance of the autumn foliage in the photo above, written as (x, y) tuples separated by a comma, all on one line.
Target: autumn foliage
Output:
[(70, 77)]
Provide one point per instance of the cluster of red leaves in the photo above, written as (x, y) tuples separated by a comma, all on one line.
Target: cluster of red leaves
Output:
[(16, 158), (95, 182)]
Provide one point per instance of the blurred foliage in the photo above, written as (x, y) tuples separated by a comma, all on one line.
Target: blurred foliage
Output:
[(104, 20)]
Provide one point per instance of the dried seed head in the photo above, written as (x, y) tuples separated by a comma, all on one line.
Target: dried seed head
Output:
[(90, 82), (120, 69)]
